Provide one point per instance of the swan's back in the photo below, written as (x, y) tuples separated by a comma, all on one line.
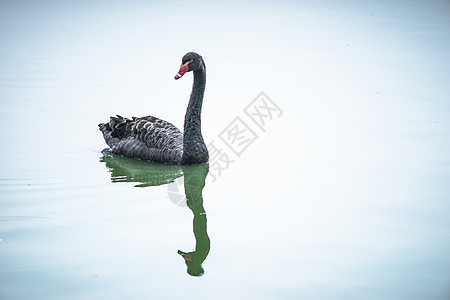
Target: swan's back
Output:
[(146, 138)]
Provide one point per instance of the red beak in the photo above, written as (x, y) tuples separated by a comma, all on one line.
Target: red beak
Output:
[(183, 70)]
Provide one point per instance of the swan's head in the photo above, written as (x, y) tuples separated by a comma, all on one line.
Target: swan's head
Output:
[(191, 62)]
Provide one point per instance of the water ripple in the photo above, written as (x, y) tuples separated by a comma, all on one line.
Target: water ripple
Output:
[(37, 242)]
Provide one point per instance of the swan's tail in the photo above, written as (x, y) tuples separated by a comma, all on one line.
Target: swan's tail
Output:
[(114, 130)]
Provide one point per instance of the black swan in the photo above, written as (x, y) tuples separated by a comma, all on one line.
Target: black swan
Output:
[(153, 139)]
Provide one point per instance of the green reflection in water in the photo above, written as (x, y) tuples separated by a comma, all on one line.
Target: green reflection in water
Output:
[(124, 169), (194, 181)]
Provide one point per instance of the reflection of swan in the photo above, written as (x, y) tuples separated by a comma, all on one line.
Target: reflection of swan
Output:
[(125, 169), (153, 139), (194, 181)]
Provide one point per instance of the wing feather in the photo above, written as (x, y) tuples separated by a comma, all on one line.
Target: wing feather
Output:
[(147, 138)]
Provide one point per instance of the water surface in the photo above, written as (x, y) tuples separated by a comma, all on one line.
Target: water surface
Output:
[(337, 190)]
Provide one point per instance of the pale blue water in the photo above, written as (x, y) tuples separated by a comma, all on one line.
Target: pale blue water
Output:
[(342, 193)]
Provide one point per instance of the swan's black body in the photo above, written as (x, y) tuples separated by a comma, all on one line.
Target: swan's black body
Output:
[(153, 139)]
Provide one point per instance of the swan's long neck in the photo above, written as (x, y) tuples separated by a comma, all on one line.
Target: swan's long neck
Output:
[(194, 148)]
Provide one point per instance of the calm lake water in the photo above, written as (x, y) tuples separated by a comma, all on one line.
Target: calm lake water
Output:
[(327, 124)]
